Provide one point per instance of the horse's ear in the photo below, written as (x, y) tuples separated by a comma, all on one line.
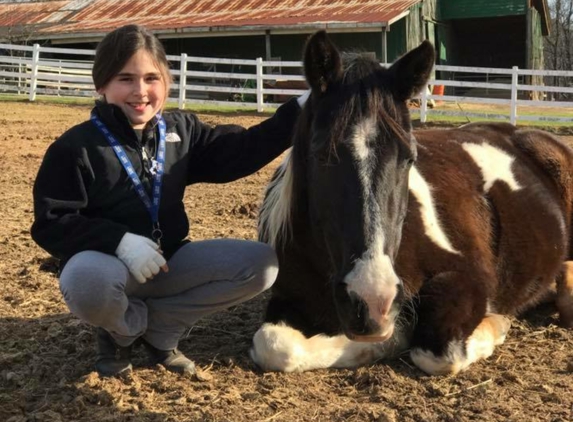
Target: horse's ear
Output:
[(322, 62), (412, 71)]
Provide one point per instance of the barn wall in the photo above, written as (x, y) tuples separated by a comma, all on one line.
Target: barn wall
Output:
[(484, 42), (535, 50), (415, 28), (290, 47), (397, 40), (535, 47), (465, 9), (245, 47)]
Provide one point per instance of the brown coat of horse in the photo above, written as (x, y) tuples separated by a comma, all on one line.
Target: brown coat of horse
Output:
[(390, 239)]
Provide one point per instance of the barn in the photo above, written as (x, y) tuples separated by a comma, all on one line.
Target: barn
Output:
[(486, 33), (492, 33), (248, 29)]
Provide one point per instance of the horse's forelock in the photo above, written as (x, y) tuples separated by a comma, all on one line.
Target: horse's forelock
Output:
[(370, 98)]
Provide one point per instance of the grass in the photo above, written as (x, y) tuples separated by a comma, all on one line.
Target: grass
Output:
[(81, 101), (432, 119), (495, 109)]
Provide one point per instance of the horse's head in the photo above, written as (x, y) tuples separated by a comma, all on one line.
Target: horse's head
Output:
[(355, 139)]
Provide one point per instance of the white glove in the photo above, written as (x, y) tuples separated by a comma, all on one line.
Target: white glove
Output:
[(302, 99), (140, 255)]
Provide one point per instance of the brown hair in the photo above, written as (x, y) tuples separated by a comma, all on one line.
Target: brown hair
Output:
[(117, 47)]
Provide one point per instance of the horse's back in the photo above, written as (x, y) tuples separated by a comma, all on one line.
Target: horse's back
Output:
[(529, 158), (502, 199), (525, 160)]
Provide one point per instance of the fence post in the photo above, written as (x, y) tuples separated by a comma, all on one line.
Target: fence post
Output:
[(34, 76), (514, 80), (182, 80), (59, 86), (259, 84), (424, 104), (21, 69)]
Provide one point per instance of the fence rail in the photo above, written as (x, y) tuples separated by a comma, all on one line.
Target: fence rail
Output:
[(32, 70)]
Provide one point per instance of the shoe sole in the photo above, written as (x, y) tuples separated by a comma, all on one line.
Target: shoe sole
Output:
[(124, 371)]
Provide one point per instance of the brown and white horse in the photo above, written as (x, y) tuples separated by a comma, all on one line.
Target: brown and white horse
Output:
[(390, 239)]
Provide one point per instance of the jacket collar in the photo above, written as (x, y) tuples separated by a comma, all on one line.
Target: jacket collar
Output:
[(116, 121)]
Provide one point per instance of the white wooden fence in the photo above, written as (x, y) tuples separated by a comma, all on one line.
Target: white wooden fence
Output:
[(32, 70)]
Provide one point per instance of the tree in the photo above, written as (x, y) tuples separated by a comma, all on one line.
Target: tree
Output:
[(15, 31), (558, 47)]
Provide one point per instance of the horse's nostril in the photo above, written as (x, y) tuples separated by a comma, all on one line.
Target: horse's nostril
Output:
[(361, 308)]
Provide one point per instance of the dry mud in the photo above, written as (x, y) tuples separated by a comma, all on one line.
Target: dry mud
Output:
[(46, 355)]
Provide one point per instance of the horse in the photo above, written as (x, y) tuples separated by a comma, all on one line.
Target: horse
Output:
[(393, 241)]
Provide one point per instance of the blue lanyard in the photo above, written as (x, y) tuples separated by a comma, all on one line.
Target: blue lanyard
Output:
[(152, 204)]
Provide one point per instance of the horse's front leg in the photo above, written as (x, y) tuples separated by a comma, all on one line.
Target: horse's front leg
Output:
[(564, 299), (455, 327), (459, 355), (280, 344), (278, 347)]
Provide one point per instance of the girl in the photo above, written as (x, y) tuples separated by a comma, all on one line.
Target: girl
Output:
[(108, 202)]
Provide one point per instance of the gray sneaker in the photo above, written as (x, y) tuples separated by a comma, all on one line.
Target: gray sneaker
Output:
[(173, 360)]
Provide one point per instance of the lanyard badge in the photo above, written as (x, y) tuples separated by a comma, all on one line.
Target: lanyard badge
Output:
[(158, 165)]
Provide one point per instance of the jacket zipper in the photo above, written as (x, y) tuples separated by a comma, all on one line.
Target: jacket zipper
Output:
[(146, 172)]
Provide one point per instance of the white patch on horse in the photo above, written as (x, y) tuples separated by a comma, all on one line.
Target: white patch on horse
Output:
[(362, 134), (451, 362), (495, 164), (275, 210), (480, 345), (432, 227), (278, 347), (374, 280)]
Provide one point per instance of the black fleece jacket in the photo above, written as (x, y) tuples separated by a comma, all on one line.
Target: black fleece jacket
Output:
[(84, 199)]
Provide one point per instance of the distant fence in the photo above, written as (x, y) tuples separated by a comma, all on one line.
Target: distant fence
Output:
[(32, 70)]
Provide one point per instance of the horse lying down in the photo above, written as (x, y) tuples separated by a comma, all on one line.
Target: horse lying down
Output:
[(391, 239)]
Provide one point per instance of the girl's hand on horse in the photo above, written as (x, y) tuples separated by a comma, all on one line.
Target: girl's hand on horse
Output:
[(141, 256), (303, 98)]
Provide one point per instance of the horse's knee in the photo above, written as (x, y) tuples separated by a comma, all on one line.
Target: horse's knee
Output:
[(564, 298), (460, 354)]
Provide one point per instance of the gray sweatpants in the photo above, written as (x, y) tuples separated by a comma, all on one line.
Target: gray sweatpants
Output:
[(204, 277)]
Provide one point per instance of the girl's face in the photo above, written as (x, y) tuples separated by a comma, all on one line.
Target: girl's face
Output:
[(138, 89)]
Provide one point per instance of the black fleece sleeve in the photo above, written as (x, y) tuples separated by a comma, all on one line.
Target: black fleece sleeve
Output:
[(228, 152), (60, 194)]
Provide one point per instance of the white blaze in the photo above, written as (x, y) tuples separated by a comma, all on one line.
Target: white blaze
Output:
[(373, 277), (363, 132)]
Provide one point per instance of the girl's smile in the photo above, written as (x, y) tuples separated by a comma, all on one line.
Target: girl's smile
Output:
[(138, 89)]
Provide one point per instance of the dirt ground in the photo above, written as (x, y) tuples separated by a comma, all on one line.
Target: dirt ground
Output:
[(47, 355)]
